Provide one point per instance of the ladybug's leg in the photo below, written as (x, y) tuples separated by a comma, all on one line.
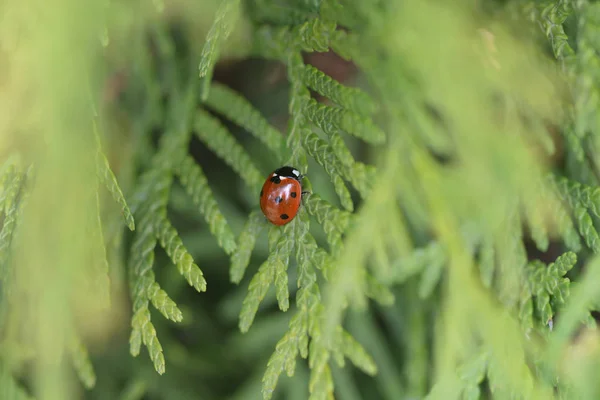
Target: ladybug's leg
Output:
[(305, 192)]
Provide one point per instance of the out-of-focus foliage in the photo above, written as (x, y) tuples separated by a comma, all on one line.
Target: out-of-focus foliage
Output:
[(447, 242)]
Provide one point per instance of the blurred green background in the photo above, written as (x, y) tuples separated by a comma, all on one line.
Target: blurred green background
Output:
[(478, 213)]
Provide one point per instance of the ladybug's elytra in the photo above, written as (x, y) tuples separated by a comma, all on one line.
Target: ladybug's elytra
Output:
[(281, 195)]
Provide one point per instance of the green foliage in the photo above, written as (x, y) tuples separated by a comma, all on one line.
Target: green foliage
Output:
[(547, 284), (247, 239), (440, 178), (9, 389), (239, 110), (107, 177), (219, 140), (155, 227), (82, 363), (220, 30)]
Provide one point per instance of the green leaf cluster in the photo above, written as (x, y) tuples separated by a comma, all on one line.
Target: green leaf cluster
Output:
[(447, 241)]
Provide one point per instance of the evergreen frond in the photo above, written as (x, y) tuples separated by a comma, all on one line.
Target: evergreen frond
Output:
[(362, 177), (583, 297), (565, 227), (547, 282), (535, 218), (469, 375), (334, 221), (298, 126), (11, 192), (320, 150), (305, 327), (553, 15), (281, 285), (193, 179), (356, 353), (313, 35), (378, 291), (6, 184), (141, 321), (586, 228), (347, 97), (320, 384), (430, 278), (102, 273), (586, 87), (153, 195), (309, 257), (279, 14), (276, 42), (81, 362), (274, 269), (574, 143), (341, 151), (225, 18), (239, 110), (579, 193), (12, 210), (525, 311), (284, 358), (331, 119), (246, 241), (142, 258), (163, 303), (429, 257), (472, 374), (171, 242), (511, 257), (218, 139), (110, 182), (257, 290)]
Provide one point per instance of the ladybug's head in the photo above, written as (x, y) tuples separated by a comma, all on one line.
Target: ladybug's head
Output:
[(289, 172)]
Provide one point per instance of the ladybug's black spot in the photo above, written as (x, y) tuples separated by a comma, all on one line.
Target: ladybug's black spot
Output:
[(293, 194), (275, 179), (261, 192), (278, 199), (284, 216)]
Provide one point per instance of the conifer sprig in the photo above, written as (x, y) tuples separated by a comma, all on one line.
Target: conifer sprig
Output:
[(170, 241), (225, 19), (11, 210), (210, 131), (247, 239), (153, 227), (150, 201), (107, 177), (466, 383), (306, 326), (322, 152), (101, 270), (239, 110), (196, 185), (349, 98), (546, 283), (81, 362), (351, 115), (6, 184), (580, 198)]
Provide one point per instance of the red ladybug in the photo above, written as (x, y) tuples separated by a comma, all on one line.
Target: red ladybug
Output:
[(281, 195)]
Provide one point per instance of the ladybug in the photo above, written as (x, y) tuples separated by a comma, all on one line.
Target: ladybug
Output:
[(281, 195)]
